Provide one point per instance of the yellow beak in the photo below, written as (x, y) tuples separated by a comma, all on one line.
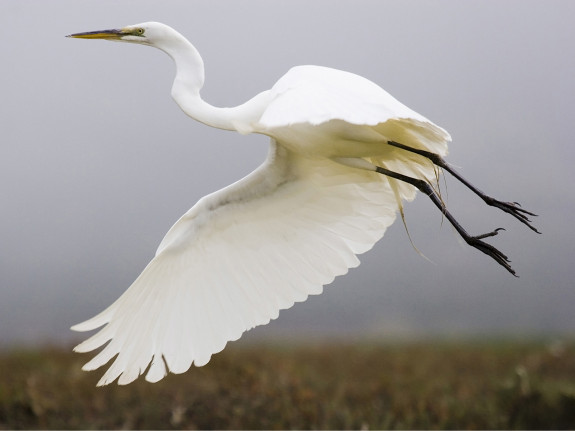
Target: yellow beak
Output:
[(113, 34)]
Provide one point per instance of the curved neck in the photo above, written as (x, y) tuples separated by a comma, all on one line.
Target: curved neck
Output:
[(189, 81)]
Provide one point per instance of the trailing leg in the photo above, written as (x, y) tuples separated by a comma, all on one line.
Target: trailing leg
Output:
[(512, 208), (474, 241)]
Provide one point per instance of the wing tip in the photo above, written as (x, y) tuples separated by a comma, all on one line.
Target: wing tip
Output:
[(91, 324)]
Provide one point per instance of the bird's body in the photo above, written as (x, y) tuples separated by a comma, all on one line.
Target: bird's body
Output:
[(271, 239)]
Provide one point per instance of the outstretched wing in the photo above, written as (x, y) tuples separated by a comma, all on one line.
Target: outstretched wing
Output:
[(238, 257)]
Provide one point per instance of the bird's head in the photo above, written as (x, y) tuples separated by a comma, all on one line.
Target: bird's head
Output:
[(148, 33), (163, 37)]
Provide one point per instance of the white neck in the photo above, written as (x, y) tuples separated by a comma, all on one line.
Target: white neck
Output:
[(189, 81)]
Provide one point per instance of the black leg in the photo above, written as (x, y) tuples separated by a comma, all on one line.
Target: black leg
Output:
[(474, 241), (512, 208)]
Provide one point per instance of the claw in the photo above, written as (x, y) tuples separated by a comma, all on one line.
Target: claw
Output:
[(485, 235), (513, 208), (489, 250)]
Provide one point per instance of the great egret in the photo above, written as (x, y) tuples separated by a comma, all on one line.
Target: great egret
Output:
[(343, 155)]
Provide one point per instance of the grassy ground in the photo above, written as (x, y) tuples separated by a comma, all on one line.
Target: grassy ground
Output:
[(444, 385)]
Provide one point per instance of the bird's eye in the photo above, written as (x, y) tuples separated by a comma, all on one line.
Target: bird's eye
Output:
[(140, 31)]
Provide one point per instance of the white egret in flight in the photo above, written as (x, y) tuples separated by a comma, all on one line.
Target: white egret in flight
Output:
[(343, 156)]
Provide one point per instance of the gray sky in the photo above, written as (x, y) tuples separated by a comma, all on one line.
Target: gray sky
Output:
[(97, 161)]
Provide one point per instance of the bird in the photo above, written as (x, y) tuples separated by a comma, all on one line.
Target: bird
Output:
[(343, 157)]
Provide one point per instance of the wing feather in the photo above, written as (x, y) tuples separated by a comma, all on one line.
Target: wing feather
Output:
[(236, 259)]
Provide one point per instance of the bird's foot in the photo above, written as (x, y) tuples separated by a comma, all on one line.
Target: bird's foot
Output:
[(513, 208), (489, 250)]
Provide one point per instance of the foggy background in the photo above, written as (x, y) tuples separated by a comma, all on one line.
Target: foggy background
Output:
[(97, 162)]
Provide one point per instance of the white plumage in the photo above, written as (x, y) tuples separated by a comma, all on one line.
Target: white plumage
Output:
[(244, 253), (322, 94)]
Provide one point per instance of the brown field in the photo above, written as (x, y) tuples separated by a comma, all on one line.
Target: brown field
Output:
[(446, 385)]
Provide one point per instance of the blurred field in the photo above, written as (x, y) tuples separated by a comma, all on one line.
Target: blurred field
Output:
[(487, 385)]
